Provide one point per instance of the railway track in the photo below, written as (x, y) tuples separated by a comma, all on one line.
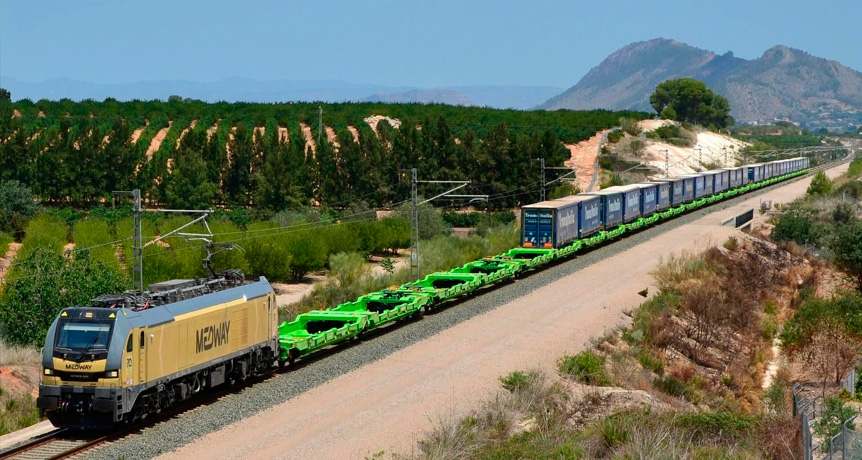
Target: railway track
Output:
[(57, 444)]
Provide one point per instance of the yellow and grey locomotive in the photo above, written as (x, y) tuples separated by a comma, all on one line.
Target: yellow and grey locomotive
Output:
[(129, 355)]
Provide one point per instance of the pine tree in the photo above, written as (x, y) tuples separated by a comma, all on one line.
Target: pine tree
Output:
[(188, 187)]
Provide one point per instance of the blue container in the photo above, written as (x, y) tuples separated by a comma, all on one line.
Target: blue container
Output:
[(611, 207), (754, 173), (687, 189), (708, 182), (722, 180), (735, 177), (698, 186), (631, 201), (549, 224), (677, 189), (664, 195), (649, 198), (589, 213)]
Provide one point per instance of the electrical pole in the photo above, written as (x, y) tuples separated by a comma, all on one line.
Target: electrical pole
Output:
[(724, 150), (137, 240), (542, 166), (319, 124), (414, 214), (699, 155), (666, 163), (137, 235), (414, 225)]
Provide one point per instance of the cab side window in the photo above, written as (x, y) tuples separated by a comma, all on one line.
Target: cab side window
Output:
[(130, 343), (142, 340)]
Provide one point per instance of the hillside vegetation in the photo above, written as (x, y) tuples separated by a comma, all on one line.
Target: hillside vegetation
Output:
[(684, 380), (272, 156)]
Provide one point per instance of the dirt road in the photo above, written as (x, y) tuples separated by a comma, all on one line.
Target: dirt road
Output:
[(388, 404)]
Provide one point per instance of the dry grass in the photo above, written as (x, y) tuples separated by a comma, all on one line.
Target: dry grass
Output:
[(17, 412), (16, 355), (536, 404)]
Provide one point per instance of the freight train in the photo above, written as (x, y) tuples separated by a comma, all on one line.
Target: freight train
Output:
[(127, 356)]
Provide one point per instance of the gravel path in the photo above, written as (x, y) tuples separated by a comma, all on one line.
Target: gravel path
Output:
[(193, 424)]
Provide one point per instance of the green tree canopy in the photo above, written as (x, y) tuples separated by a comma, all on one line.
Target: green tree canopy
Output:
[(820, 185), (46, 283), (188, 186), (687, 99), (847, 251)]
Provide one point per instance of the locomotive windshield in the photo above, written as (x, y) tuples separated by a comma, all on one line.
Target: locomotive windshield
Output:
[(83, 336)]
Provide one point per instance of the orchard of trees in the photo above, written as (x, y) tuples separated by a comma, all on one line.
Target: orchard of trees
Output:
[(689, 100), (257, 154)]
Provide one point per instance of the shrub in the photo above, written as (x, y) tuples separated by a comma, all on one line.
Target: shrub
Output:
[(636, 147), (847, 251), (651, 363), (855, 168), (431, 221), (775, 398), (711, 424), (268, 258), (585, 367), (5, 240), (307, 253), (17, 206), (630, 126), (672, 386), (45, 231), (768, 327), (515, 381), (92, 232), (564, 189), (347, 268), (799, 228), (835, 413), (615, 136), (732, 244), (820, 185)]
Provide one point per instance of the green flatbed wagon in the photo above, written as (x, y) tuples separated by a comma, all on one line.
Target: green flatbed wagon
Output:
[(314, 330), (384, 307), (493, 269), (532, 257), (444, 285)]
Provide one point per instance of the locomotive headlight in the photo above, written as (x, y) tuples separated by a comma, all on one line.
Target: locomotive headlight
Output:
[(48, 371), (112, 374)]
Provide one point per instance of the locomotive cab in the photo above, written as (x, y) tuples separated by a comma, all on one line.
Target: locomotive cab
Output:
[(81, 361)]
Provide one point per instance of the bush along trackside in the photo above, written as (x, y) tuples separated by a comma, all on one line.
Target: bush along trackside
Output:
[(684, 380)]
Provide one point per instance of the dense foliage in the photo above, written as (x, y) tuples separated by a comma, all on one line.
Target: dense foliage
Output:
[(689, 100), (17, 204), (258, 154), (45, 283)]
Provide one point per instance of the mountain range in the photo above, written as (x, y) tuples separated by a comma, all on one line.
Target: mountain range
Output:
[(249, 90), (783, 84)]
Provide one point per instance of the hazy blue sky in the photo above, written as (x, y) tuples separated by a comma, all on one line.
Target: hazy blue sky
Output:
[(408, 43)]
